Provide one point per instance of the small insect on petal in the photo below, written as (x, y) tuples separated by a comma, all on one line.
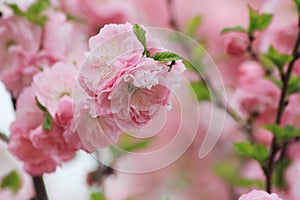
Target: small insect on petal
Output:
[(171, 65)]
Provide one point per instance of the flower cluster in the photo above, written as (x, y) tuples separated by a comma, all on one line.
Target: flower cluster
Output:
[(123, 90), (83, 73)]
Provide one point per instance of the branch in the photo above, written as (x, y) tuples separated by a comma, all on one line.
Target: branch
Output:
[(38, 182), (281, 106), (250, 47), (173, 22), (245, 125), (4, 137), (40, 190)]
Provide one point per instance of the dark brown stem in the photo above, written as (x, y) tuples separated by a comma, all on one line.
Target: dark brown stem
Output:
[(40, 190), (4, 138), (250, 47), (38, 182), (172, 22), (14, 102), (281, 106)]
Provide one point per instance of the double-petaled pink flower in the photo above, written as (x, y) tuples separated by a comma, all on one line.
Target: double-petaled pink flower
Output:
[(123, 88), (259, 195)]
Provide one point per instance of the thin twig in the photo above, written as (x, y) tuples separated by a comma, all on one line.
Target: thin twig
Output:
[(219, 101), (281, 106), (38, 181), (250, 47), (4, 137), (40, 189)]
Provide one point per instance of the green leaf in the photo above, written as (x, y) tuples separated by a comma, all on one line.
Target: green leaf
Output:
[(97, 196), (39, 20), (274, 80), (293, 86), (16, 9), (75, 19), (141, 36), (258, 22), (11, 181), (201, 90), (229, 172), (282, 134), (279, 60), (279, 175), (37, 7), (166, 56), (147, 53), (41, 107), (137, 146), (266, 62), (34, 11), (226, 170), (193, 25), (297, 2), (258, 152), (164, 197), (128, 143), (189, 66), (244, 182), (234, 29), (47, 125)]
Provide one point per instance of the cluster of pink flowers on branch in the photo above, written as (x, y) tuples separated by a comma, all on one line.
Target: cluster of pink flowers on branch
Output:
[(126, 80), (83, 74), (42, 135)]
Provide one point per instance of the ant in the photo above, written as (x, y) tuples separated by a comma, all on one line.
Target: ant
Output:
[(171, 65)]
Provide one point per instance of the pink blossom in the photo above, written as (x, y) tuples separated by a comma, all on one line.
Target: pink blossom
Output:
[(97, 13), (283, 30), (142, 93), (256, 95), (250, 72), (36, 161), (53, 84), (263, 136), (259, 195), (116, 40), (30, 116), (123, 89), (61, 45), (19, 44), (236, 44), (20, 41), (296, 69), (291, 116), (64, 112), (54, 90), (291, 113), (94, 132), (53, 141), (40, 150), (154, 13), (292, 177), (17, 80), (281, 38)]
